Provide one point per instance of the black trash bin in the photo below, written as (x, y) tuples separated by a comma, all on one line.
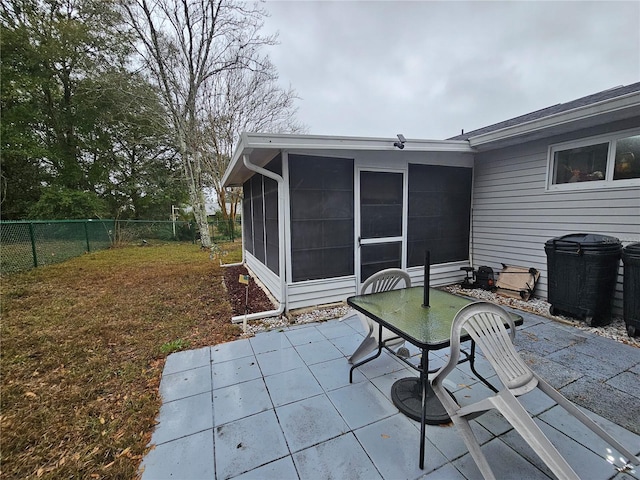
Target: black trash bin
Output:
[(582, 270), (631, 288)]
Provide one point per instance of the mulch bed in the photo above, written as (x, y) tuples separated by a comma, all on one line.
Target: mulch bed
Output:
[(237, 293)]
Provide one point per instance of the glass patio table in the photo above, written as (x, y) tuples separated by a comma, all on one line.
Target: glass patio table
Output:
[(428, 328)]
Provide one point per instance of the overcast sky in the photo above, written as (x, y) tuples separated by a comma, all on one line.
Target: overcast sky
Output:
[(429, 69)]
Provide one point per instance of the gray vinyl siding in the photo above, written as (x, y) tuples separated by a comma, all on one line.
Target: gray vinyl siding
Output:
[(439, 275), (333, 290), (268, 278), (513, 215), (320, 292)]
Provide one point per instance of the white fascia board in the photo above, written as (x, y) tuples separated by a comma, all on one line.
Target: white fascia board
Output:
[(252, 142), (321, 142), (580, 113)]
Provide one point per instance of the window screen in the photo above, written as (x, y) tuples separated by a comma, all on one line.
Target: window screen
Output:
[(257, 204), (271, 216), (439, 213), (581, 164), (380, 204), (321, 202), (376, 257), (260, 216), (627, 161), (247, 218), (271, 224)]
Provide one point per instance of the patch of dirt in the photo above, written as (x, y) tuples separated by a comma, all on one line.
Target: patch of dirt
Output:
[(258, 301)]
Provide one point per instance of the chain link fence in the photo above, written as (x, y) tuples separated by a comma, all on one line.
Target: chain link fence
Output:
[(24, 245), (29, 244), (134, 231)]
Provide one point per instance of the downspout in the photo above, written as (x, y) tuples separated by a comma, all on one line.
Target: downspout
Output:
[(283, 283)]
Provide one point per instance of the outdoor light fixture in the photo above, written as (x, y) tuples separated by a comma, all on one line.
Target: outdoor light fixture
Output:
[(400, 143)]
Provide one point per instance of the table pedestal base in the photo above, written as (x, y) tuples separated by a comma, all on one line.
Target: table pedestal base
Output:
[(406, 394)]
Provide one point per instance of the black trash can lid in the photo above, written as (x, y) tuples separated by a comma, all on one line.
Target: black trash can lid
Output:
[(632, 249), (588, 238), (586, 241)]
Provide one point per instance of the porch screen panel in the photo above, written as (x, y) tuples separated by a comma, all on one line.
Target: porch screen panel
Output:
[(271, 216), (322, 216), (257, 205), (380, 204), (439, 213), (376, 257), (275, 165), (247, 219), (271, 224)]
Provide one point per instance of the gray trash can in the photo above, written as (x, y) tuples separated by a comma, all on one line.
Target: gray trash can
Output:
[(582, 269)]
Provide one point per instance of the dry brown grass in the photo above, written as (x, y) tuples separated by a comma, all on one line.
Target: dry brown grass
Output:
[(83, 347)]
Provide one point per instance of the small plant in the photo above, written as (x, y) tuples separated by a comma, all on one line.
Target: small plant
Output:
[(174, 346)]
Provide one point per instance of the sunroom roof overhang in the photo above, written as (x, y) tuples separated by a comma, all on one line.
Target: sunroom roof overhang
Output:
[(262, 148)]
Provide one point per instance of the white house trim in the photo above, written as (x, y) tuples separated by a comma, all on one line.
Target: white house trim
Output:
[(262, 148), (617, 108)]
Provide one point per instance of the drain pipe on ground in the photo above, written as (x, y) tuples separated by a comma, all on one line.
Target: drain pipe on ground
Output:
[(241, 262), (283, 283)]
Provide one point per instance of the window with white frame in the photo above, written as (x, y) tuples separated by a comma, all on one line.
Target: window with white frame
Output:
[(612, 160)]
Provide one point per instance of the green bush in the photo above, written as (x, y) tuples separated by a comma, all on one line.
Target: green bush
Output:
[(62, 203)]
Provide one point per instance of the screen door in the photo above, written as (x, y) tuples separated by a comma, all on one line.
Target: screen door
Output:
[(381, 221)]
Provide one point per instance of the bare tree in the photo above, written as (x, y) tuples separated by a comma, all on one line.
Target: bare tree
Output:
[(184, 45), (242, 100)]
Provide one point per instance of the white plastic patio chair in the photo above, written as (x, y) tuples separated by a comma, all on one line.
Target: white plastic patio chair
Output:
[(485, 323), (384, 280)]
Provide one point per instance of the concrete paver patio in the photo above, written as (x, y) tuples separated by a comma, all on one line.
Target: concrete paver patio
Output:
[(279, 406)]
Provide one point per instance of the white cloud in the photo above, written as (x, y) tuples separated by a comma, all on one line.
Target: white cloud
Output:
[(428, 69)]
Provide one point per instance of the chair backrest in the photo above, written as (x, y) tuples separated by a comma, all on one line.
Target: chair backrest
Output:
[(386, 280), (485, 324)]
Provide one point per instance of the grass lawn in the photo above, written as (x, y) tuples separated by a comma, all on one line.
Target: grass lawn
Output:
[(83, 345)]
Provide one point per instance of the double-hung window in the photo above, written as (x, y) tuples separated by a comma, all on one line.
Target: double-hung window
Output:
[(604, 161)]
